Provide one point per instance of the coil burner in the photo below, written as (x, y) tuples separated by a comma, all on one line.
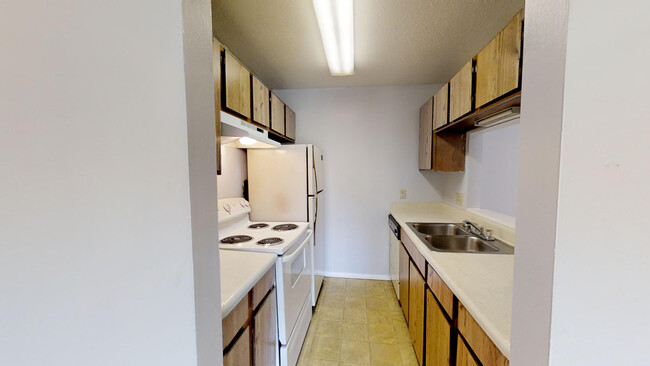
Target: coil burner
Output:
[(285, 227), (271, 241), (259, 225), (236, 239)]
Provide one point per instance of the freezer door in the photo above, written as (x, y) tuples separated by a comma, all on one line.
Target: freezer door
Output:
[(316, 177), (277, 183)]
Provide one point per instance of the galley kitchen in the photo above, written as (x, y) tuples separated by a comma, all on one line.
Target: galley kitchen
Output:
[(324, 182)]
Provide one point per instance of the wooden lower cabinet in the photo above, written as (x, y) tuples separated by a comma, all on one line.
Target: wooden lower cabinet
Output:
[(416, 311), (463, 357), (438, 334), (240, 353), (483, 347), (265, 337), (404, 269)]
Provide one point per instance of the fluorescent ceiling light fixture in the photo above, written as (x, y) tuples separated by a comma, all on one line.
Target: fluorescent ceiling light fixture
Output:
[(499, 118), (336, 25)]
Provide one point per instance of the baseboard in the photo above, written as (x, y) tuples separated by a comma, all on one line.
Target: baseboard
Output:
[(363, 276)]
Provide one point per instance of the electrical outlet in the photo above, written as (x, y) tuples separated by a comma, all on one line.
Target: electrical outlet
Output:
[(402, 194), (459, 199)]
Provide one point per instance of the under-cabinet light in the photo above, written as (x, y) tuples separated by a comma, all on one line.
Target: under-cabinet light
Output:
[(499, 118), (246, 140), (335, 20)]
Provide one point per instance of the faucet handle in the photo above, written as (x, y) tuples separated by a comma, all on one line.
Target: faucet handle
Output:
[(488, 234)]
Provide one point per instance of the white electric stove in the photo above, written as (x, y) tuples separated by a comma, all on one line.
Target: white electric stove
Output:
[(292, 242)]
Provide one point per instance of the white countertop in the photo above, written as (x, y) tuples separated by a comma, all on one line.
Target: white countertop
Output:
[(482, 282), (240, 271)]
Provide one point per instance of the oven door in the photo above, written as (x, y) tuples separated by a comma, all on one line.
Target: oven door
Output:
[(294, 285)]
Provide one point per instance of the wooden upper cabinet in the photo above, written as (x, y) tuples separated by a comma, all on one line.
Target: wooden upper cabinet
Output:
[(497, 65), (438, 334), (416, 311), (261, 102), (449, 153), (238, 86), (290, 123), (216, 71), (460, 93), (440, 102), (277, 114), (404, 269), (426, 135)]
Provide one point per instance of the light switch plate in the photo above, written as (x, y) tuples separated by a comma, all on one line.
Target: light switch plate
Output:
[(459, 199), (402, 194)]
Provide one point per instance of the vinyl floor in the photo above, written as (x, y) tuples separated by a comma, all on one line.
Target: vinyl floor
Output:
[(357, 322)]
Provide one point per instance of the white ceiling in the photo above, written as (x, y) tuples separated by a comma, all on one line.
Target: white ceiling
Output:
[(396, 41)]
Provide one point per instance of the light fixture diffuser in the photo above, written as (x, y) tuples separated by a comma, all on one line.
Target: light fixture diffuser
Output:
[(336, 23)]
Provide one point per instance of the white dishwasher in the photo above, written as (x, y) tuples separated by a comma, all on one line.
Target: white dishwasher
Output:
[(393, 254)]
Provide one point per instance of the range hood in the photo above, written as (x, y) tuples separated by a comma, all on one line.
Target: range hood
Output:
[(238, 133)]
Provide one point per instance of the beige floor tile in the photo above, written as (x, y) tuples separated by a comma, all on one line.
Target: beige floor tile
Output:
[(324, 348), (316, 362), (384, 354), (402, 332), (354, 331), (353, 282), (334, 281), (304, 360), (332, 300), (355, 351), (373, 291), (355, 301), (326, 312), (343, 363), (375, 315), (329, 328), (376, 284), (354, 314), (376, 303), (408, 355), (381, 332)]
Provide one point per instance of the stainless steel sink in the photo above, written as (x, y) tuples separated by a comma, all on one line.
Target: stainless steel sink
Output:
[(469, 244), (438, 229), (453, 238)]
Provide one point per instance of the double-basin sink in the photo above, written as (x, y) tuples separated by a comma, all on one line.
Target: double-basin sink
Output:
[(454, 238)]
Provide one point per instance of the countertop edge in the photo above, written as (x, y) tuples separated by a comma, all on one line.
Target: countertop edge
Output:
[(227, 305), (502, 342)]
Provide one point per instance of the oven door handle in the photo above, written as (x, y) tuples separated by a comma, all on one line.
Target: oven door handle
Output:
[(296, 252)]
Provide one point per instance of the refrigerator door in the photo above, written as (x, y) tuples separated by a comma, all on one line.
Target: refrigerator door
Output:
[(316, 179), (277, 183), (316, 224)]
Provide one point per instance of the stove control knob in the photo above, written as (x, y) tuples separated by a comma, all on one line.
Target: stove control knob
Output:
[(242, 204)]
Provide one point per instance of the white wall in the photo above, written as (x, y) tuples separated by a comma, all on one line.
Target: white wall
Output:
[(489, 181), (233, 172), (95, 221), (602, 257), (370, 140)]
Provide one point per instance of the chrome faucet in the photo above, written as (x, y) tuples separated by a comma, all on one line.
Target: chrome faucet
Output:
[(480, 231)]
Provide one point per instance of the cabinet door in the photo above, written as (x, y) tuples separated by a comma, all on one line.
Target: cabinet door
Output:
[(290, 123), (261, 111), (483, 347), (426, 134), (265, 339), (497, 65), (440, 102), (438, 334), (416, 311), (404, 281), (216, 71), (240, 353), (463, 357), (277, 114), (449, 152), (238, 87), (460, 93)]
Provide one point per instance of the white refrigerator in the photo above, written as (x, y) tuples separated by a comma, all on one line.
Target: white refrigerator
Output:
[(286, 184)]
